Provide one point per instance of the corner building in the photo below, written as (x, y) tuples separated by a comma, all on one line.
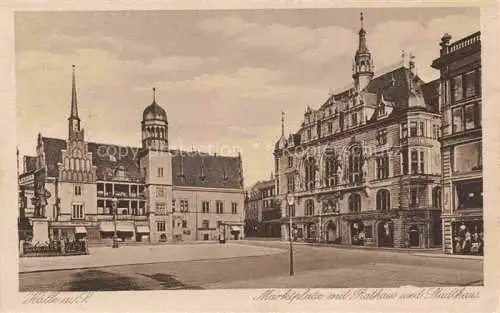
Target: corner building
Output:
[(461, 141), (158, 194), (364, 168)]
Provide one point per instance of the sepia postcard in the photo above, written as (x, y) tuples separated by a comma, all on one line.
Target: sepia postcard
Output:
[(249, 156)]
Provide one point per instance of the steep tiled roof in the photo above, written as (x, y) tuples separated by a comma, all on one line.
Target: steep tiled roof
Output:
[(219, 171)]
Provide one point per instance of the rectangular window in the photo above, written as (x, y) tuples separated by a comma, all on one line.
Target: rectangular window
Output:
[(382, 137), (414, 196), (404, 161), (205, 207), (219, 205), (469, 194), (78, 190), (422, 162), (184, 224), (173, 205), (471, 117), (160, 172), (458, 91), (413, 129), (160, 226), (290, 161), (309, 134), (161, 209), (458, 120), (77, 212), (467, 157), (184, 206), (404, 130), (205, 224), (470, 84), (234, 208), (330, 127), (354, 119), (421, 129), (290, 210), (414, 162)]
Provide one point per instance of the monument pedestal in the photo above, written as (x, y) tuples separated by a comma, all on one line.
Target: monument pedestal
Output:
[(40, 230)]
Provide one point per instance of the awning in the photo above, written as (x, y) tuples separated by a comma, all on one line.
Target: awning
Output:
[(106, 227), (125, 228), (80, 230), (142, 229), (236, 228)]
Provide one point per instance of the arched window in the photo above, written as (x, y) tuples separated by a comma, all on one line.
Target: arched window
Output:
[(354, 203), (331, 171), (383, 200), (355, 164), (436, 198), (309, 207), (310, 173)]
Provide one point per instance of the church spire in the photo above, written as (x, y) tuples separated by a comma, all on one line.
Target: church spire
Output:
[(75, 133), (74, 103)]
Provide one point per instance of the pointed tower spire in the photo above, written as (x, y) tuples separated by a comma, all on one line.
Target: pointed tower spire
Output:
[(154, 94), (282, 123), (74, 103), (363, 65), (74, 120)]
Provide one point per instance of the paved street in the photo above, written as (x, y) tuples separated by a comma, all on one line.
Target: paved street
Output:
[(316, 267)]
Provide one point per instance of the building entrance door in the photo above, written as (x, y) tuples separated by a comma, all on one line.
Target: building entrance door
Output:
[(331, 229), (414, 236)]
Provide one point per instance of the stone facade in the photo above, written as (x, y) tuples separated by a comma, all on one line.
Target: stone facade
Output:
[(364, 166), (460, 102), (80, 189)]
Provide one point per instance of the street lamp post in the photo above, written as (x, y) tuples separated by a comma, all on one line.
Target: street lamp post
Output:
[(291, 201), (115, 235)]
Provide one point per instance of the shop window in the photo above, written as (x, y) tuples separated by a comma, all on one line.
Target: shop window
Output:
[(469, 194), (467, 157)]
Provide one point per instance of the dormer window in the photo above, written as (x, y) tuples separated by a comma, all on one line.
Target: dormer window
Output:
[(381, 109)]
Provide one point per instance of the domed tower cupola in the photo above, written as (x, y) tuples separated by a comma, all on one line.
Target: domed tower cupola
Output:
[(154, 127), (362, 68)]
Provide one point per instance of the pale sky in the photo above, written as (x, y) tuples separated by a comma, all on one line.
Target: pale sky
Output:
[(222, 76)]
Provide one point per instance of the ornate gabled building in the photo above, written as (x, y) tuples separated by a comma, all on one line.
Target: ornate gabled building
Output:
[(459, 64), (364, 168), (149, 193)]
